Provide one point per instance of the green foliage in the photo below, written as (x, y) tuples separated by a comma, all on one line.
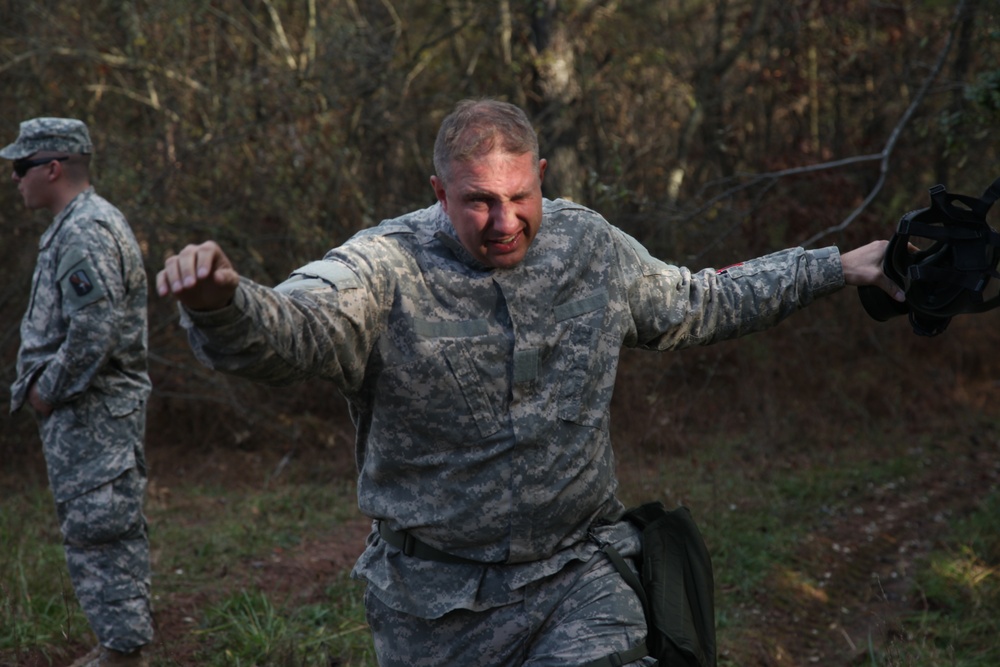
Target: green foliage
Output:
[(960, 589), (38, 608), (213, 526), (197, 539), (247, 629), (766, 520)]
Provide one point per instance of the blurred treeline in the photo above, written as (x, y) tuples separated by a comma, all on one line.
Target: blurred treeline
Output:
[(712, 130)]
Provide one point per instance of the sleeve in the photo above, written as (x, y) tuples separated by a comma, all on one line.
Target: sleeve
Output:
[(321, 322), (672, 307), (91, 289)]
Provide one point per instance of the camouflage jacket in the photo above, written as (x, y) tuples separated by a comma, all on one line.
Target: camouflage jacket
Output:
[(84, 331), (481, 396)]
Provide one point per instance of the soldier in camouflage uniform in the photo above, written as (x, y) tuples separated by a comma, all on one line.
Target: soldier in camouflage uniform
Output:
[(477, 342), (82, 368)]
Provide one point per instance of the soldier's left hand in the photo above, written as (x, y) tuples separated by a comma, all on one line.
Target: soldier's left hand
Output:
[(38, 403), (863, 266)]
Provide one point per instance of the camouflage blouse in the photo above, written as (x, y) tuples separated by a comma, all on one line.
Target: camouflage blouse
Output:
[(481, 396)]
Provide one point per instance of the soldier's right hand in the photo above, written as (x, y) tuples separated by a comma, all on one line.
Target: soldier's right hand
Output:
[(200, 276)]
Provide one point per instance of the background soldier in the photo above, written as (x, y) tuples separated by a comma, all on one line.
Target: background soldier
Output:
[(82, 368), (477, 342)]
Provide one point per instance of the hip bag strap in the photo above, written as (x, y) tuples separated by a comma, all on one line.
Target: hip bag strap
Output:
[(640, 650)]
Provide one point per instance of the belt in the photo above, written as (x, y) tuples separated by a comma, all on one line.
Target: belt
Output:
[(411, 546)]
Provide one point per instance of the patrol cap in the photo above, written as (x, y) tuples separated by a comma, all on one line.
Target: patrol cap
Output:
[(59, 135)]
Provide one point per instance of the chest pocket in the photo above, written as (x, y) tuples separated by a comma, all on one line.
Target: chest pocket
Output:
[(470, 382), (449, 393), (586, 361)]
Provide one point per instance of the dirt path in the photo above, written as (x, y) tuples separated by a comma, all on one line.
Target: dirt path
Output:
[(852, 580), (846, 588)]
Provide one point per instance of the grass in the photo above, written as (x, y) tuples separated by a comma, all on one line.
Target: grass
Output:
[(250, 625), (960, 588), (203, 526), (37, 607), (247, 629), (770, 521), (754, 515), (199, 537)]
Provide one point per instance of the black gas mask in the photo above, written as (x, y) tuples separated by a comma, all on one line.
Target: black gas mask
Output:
[(952, 274)]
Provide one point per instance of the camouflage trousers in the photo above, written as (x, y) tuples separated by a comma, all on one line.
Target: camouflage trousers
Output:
[(107, 552), (580, 614)]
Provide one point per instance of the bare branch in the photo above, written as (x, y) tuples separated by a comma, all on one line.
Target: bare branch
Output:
[(99, 89), (107, 59), (890, 145), (882, 157), (279, 33), (310, 37), (250, 34), (397, 22), (17, 60), (772, 176), (122, 61)]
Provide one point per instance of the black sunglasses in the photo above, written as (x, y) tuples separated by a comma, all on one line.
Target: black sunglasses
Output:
[(21, 167)]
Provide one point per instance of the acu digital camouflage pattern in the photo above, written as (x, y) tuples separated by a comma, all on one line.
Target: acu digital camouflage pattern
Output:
[(83, 345), (586, 609), (107, 551), (58, 135), (481, 397)]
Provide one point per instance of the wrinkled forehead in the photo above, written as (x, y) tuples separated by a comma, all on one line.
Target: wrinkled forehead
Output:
[(493, 163)]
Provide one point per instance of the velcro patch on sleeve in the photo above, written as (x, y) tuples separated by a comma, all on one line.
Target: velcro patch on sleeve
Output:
[(80, 282), (321, 274)]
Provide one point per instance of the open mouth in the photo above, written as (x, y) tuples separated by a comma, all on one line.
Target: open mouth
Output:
[(507, 243)]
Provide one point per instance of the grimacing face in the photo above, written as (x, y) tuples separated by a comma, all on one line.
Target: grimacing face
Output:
[(495, 204)]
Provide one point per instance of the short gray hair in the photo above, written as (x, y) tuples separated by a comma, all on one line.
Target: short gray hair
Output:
[(478, 127)]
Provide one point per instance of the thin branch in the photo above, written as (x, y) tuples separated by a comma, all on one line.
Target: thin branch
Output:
[(397, 23), (17, 60), (99, 89), (310, 37), (250, 34), (122, 61), (772, 176), (242, 29), (896, 132), (279, 32), (882, 157)]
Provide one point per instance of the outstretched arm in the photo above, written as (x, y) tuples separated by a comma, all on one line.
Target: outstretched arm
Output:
[(863, 266), (200, 276)]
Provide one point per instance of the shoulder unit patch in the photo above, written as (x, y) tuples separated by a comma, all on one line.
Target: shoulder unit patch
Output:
[(81, 282)]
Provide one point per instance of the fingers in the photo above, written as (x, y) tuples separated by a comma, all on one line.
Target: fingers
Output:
[(184, 270), (863, 266), (892, 289), (200, 276)]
